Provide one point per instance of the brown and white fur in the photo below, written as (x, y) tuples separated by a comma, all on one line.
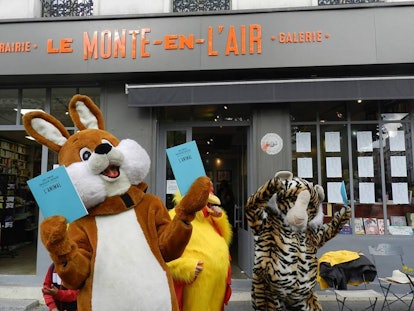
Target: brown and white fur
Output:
[(116, 255)]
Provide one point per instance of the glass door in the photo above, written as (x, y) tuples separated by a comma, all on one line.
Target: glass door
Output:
[(169, 137), (223, 150)]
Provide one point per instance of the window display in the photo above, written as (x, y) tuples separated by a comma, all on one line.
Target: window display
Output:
[(372, 155)]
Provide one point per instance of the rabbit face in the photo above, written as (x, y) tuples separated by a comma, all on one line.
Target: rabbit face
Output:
[(99, 164)]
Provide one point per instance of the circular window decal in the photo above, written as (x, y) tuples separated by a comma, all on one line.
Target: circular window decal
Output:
[(271, 143)]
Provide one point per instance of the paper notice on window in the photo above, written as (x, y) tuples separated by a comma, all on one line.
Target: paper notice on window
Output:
[(398, 166), (303, 142), (172, 187), (333, 167), (365, 167), (366, 192), (334, 192), (397, 142), (399, 193), (332, 142), (305, 169), (364, 141)]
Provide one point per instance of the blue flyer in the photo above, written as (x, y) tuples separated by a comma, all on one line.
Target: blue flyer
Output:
[(55, 194), (186, 164)]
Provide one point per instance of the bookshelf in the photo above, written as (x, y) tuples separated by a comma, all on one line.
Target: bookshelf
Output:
[(367, 216), (18, 211)]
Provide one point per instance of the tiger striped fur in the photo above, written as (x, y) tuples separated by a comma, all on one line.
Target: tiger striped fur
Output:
[(285, 263)]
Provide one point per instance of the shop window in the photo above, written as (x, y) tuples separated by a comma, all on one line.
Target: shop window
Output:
[(216, 113), (56, 8), (200, 5), (297, 115), (59, 105), (20, 160), (93, 92), (332, 111), (372, 158), (174, 138), (334, 162), (304, 152), (8, 106), (32, 99), (364, 110)]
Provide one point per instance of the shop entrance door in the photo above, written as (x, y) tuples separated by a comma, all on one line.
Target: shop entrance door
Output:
[(224, 152)]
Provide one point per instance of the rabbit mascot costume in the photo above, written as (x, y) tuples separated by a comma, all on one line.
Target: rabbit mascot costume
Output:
[(116, 255)]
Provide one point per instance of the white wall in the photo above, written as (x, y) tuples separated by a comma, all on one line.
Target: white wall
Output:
[(19, 9), (12, 9), (111, 7), (269, 4)]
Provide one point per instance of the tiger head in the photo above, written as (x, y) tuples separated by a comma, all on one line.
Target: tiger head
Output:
[(298, 201)]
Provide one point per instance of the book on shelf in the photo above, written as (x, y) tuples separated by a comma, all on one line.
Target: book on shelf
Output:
[(55, 194), (381, 225), (400, 230), (371, 225), (359, 225), (410, 219), (398, 221), (346, 229)]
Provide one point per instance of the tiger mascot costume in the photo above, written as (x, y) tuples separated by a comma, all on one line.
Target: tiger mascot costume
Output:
[(286, 218)]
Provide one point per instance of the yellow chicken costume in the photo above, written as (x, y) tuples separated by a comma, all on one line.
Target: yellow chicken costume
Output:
[(208, 248)]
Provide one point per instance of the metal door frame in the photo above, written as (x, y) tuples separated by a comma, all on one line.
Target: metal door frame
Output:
[(244, 236)]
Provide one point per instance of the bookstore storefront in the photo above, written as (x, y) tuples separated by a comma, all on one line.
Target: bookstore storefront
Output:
[(334, 103)]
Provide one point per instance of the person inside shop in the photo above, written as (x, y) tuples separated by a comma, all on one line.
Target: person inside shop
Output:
[(56, 296), (227, 200)]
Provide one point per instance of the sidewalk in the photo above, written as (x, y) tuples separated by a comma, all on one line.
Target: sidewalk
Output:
[(240, 301)]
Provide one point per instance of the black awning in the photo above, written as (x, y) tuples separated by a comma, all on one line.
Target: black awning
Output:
[(271, 91)]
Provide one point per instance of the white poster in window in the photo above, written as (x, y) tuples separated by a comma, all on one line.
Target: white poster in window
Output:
[(172, 186), (399, 193), (397, 142), (334, 192), (332, 142), (333, 167), (364, 141), (303, 142), (305, 169), (366, 192), (398, 166), (365, 167)]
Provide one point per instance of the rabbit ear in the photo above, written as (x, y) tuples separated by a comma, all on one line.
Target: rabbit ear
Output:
[(46, 129), (85, 114)]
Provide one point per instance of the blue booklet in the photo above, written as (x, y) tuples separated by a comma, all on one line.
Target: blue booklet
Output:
[(186, 165), (343, 193), (55, 194)]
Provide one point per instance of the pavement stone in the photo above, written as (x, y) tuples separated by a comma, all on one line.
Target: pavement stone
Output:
[(240, 301)]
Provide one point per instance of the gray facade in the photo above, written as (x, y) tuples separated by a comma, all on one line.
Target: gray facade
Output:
[(280, 57)]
